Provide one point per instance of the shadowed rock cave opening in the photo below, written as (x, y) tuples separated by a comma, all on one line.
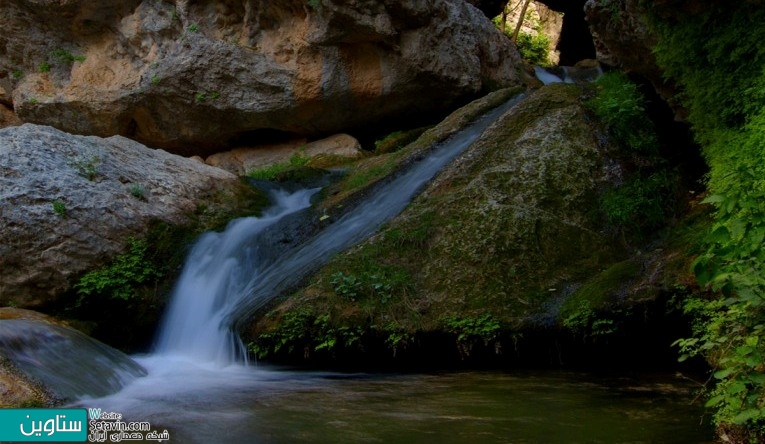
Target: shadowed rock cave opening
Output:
[(575, 42)]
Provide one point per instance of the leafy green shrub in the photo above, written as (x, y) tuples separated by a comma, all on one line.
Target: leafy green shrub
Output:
[(293, 330), (470, 329), (301, 330), (65, 56), (376, 284), (640, 204), (719, 69), (584, 320), (118, 279), (534, 48), (619, 104)]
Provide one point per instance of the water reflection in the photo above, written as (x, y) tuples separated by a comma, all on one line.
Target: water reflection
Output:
[(238, 404)]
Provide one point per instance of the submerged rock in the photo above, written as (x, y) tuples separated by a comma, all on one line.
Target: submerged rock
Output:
[(71, 203), (51, 362), (236, 68)]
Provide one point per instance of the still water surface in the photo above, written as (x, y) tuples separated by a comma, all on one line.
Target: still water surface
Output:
[(239, 404)]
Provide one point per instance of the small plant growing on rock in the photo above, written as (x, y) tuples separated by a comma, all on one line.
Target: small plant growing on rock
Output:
[(44, 67), (17, 74), (138, 191), (155, 79), (65, 56), (200, 97), (120, 277), (270, 172), (59, 208), (470, 329), (86, 165), (193, 27), (619, 104)]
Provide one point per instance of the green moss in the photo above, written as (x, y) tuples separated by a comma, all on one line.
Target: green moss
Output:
[(371, 170), (601, 290), (270, 172), (397, 140), (486, 239)]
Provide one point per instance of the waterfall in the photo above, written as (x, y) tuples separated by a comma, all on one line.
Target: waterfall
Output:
[(226, 278), (230, 275), (545, 76), (215, 276)]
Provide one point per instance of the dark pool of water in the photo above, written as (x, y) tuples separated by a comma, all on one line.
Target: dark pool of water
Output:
[(262, 406)]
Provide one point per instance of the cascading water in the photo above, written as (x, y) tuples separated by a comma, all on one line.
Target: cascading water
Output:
[(197, 388), (228, 276), (546, 76), (216, 276)]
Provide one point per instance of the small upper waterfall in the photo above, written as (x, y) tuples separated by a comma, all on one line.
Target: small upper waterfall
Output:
[(546, 76), (216, 276)]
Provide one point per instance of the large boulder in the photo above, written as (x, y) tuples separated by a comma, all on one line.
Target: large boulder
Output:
[(71, 203), (508, 230), (243, 160), (192, 77)]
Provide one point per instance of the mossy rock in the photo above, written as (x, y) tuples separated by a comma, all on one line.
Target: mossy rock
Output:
[(505, 233), (605, 289)]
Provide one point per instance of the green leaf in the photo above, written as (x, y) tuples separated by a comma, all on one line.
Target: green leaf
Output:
[(724, 373), (747, 415), (713, 401)]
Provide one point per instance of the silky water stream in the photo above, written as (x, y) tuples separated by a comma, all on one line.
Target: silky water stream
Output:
[(201, 389)]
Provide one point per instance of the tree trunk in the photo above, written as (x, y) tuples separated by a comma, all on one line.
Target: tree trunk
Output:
[(504, 17), (520, 20)]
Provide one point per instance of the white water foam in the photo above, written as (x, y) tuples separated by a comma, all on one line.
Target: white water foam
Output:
[(215, 277)]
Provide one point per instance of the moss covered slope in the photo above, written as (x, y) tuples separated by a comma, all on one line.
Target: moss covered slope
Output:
[(495, 245)]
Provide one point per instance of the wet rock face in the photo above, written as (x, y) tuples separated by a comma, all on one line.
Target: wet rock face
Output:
[(192, 76), (70, 203)]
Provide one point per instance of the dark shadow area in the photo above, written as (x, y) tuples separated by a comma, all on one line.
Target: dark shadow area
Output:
[(575, 39)]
